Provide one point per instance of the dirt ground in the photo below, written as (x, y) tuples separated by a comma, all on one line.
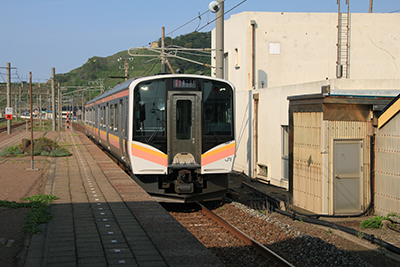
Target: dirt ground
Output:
[(18, 180)]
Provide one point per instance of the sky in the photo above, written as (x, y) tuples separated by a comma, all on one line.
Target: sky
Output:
[(36, 35)]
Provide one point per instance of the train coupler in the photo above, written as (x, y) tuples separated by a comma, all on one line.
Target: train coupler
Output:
[(183, 183)]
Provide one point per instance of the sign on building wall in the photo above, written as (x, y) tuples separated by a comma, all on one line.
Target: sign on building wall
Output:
[(274, 48)]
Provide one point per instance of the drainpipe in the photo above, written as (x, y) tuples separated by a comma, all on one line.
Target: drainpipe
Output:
[(255, 97), (253, 58)]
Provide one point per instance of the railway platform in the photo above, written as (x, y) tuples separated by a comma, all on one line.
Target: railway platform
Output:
[(103, 218)]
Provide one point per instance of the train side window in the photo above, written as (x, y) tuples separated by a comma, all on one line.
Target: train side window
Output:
[(116, 117), (102, 116), (111, 117)]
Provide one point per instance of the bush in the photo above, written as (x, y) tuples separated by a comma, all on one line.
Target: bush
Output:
[(42, 146), (60, 152), (44, 153)]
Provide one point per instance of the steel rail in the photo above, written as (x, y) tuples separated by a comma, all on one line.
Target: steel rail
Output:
[(13, 126), (266, 252)]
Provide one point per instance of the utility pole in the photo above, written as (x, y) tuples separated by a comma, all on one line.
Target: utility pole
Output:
[(370, 6), (59, 108), (99, 81), (126, 65), (219, 46), (8, 94), (30, 93), (163, 68), (53, 99), (164, 61)]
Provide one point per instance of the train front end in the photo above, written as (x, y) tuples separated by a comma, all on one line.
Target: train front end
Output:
[(183, 145)]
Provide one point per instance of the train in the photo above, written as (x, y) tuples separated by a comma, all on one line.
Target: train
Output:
[(173, 132)]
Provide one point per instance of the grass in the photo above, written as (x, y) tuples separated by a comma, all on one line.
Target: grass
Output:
[(39, 211)]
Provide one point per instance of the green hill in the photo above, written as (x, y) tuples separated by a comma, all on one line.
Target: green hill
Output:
[(103, 68)]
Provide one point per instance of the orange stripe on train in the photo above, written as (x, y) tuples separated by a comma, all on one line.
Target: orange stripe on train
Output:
[(218, 154), (149, 154)]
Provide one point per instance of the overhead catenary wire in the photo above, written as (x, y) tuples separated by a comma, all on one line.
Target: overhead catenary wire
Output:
[(208, 23), (199, 16), (174, 54)]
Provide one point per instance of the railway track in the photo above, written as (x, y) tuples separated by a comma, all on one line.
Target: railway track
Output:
[(231, 245), (248, 251), (298, 243), (13, 126)]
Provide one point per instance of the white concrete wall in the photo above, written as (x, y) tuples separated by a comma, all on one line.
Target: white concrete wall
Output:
[(308, 50), (273, 113), (306, 60)]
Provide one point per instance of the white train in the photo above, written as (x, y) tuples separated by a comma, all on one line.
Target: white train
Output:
[(175, 133)]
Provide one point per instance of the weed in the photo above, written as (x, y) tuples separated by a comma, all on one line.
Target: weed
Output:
[(360, 234), (376, 222), (329, 231), (263, 212), (38, 214)]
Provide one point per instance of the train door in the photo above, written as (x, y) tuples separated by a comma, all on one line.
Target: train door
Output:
[(184, 128), (347, 173), (97, 123), (123, 105)]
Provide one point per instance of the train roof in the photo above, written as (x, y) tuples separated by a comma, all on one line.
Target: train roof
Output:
[(125, 84), (117, 88)]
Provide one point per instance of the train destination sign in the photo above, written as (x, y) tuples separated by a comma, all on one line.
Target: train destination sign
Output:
[(184, 83)]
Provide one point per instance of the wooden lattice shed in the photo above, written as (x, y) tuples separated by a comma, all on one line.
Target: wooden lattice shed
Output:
[(330, 151), (387, 160)]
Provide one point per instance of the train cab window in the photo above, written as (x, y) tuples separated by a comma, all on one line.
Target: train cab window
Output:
[(217, 109), (149, 114), (149, 109)]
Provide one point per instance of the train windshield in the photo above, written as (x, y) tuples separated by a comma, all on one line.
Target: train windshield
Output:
[(149, 110), (217, 109)]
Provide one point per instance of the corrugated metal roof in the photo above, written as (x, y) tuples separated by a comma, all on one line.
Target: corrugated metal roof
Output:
[(391, 110)]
